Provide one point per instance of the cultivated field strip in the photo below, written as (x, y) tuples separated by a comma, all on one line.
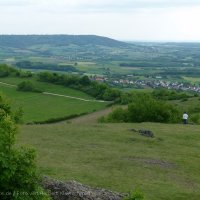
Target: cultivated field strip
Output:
[(60, 95)]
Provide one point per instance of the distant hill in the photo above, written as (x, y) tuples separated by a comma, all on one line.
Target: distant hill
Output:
[(24, 41), (98, 55)]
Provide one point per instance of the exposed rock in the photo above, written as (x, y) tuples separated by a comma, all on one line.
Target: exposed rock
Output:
[(146, 133), (143, 132), (73, 190)]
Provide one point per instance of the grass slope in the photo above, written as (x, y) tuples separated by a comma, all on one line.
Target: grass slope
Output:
[(40, 107), (111, 156)]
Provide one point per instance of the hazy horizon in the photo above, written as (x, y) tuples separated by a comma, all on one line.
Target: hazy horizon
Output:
[(122, 40), (127, 20)]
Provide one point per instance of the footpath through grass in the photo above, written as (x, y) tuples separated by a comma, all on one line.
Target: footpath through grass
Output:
[(41, 107), (111, 156)]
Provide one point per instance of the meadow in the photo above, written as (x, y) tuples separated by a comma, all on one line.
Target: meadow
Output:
[(107, 155), (193, 80), (41, 107), (114, 157)]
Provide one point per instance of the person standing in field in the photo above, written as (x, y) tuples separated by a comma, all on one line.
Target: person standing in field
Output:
[(185, 118)]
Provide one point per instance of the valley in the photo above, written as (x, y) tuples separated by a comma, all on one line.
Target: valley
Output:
[(84, 99)]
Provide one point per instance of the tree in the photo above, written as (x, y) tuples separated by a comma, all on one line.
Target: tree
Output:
[(27, 86), (145, 108), (18, 174), (84, 80)]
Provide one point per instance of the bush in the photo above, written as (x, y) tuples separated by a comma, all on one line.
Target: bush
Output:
[(118, 115), (5, 70), (18, 177), (27, 86), (195, 108), (164, 94), (136, 195), (195, 118), (145, 108)]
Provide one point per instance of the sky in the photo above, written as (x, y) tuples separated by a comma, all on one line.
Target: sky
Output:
[(130, 20)]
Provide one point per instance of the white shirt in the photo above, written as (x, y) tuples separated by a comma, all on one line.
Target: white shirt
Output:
[(185, 116)]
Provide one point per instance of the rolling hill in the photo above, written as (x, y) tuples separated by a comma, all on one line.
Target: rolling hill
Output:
[(25, 41), (98, 55)]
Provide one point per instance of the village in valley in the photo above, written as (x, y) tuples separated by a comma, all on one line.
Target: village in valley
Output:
[(130, 81)]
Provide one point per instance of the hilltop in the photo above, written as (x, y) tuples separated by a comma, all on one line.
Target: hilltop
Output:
[(113, 157), (25, 41)]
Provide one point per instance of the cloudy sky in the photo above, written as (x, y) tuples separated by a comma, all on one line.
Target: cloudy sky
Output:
[(175, 20)]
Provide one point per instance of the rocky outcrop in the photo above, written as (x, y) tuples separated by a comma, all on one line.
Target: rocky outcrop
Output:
[(143, 132), (146, 133), (73, 190)]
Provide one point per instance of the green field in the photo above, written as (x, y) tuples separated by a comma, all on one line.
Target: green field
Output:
[(193, 80), (111, 156), (47, 87), (40, 107)]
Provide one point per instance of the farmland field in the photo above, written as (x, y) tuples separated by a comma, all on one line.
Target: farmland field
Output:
[(193, 80)]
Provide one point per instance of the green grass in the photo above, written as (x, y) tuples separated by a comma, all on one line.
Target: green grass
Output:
[(40, 107), (193, 80), (111, 156), (47, 87)]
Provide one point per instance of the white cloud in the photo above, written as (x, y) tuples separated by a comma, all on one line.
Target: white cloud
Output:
[(124, 19)]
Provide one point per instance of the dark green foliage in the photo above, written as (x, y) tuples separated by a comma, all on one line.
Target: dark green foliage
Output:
[(118, 115), (47, 66), (24, 74), (18, 115), (135, 195), (145, 108), (195, 118), (165, 94), (27, 86), (111, 94), (18, 176), (194, 108), (5, 70), (54, 120), (93, 88), (84, 80)]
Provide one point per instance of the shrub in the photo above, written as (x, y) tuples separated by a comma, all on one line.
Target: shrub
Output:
[(27, 86), (18, 177), (145, 108), (118, 115), (165, 94), (195, 108), (195, 118), (6, 70), (135, 195)]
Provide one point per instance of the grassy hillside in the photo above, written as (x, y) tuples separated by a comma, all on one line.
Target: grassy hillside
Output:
[(48, 87), (111, 156), (41, 107)]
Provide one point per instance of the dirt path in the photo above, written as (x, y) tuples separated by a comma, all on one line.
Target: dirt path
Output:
[(92, 117), (88, 118), (71, 97), (8, 84)]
